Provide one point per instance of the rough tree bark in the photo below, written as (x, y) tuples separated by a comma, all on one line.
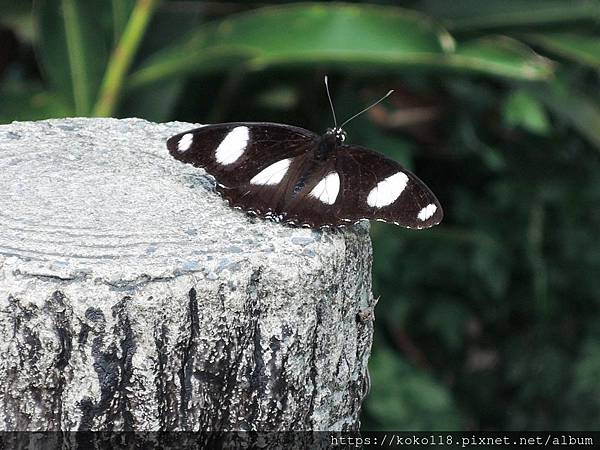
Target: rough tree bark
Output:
[(133, 298)]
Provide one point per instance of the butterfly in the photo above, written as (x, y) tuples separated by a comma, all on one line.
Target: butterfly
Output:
[(294, 176)]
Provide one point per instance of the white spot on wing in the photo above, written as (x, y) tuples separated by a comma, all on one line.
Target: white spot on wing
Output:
[(427, 212), (387, 191), (233, 146), (327, 189), (185, 142), (272, 174)]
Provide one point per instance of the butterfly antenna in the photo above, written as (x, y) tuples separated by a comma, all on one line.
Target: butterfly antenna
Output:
[(368, 108), (330, 102)]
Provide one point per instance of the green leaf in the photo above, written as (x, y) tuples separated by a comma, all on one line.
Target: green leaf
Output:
[(403, 397), (72, 50), (581, 48), (587, 368), (448, 318), (350, 37), (122, 57), (501, 56), (121, 11), (347, 35), (28, 101), (521, 109), (470, 15), (156, 104), (17, 15), (580, 110)]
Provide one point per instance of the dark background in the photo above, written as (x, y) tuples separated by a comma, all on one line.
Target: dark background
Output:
[(488, 321)]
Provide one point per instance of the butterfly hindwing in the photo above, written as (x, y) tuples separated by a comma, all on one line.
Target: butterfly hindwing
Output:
[(310, 193), (287, 191), (377, 188)]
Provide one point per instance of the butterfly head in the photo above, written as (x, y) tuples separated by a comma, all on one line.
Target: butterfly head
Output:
[(336, 133)]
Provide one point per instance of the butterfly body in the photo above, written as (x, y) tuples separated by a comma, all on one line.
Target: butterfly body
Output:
[(292, 175)]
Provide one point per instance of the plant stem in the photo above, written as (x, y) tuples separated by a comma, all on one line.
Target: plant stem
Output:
[(120, 14), (79, 74), (122, 57)]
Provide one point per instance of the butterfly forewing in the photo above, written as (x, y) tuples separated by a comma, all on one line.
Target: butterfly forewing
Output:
[(233, 153)]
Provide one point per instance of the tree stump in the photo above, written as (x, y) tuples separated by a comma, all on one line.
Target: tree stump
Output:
[(133, 298)]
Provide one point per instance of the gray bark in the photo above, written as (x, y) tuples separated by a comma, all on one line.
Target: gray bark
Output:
[(133, 298)]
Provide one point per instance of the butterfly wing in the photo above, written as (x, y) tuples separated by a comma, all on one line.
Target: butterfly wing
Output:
[(271, 170), (378, 188), (253, 163), (233, 153)]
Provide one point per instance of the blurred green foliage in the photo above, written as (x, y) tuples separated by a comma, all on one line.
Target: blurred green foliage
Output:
[(489, 321)]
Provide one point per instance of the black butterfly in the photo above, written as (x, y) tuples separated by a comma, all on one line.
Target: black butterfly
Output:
[(292, 175)]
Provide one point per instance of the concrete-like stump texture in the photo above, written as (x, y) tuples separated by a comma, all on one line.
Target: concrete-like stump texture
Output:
[(132, 297)]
